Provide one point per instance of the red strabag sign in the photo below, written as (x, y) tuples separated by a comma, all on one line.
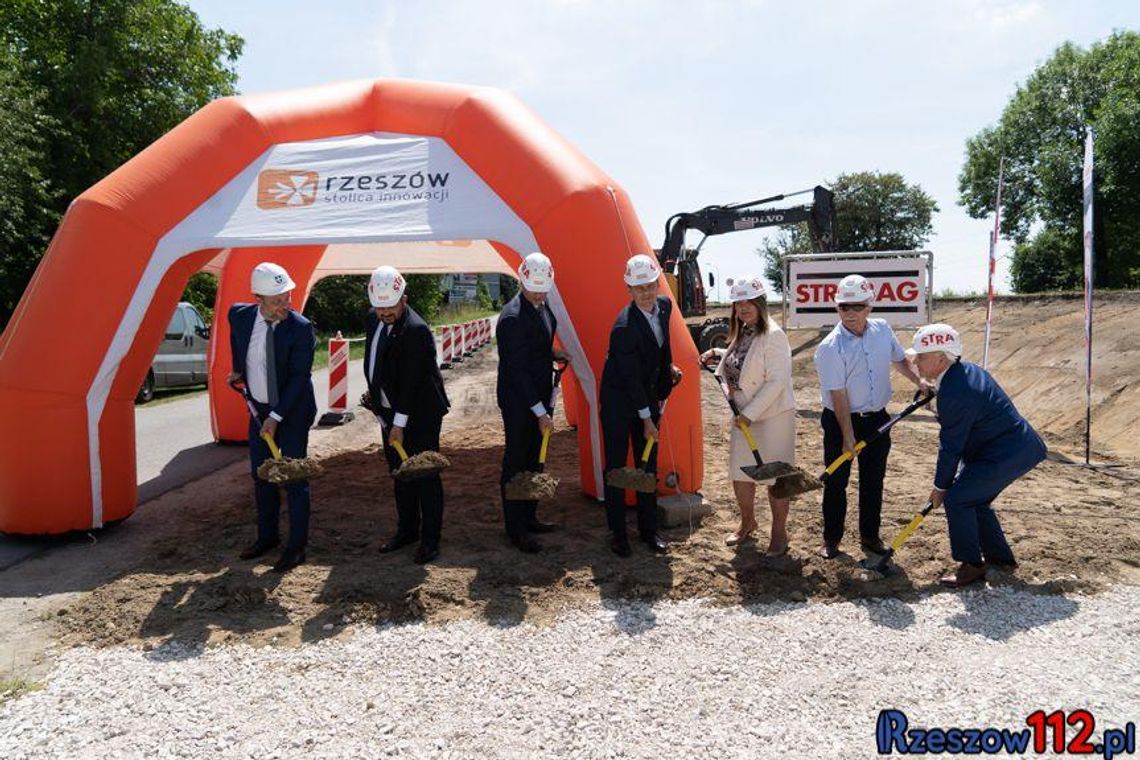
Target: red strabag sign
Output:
[(901, 280)]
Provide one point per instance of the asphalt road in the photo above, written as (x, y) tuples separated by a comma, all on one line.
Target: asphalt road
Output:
[(174, 444)]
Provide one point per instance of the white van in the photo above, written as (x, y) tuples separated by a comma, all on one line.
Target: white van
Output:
[(181, 357)]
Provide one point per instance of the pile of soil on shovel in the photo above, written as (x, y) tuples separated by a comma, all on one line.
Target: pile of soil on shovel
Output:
[(286, 470), (633, 479), (525, 486), (1071, 528), (424, 463)]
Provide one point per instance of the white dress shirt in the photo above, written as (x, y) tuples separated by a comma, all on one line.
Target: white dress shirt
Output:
[(398, 420), (255, 370)]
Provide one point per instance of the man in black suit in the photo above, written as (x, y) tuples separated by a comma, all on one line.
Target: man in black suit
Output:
[(525, 337), (406, 394), (637, 378), (272, 352)]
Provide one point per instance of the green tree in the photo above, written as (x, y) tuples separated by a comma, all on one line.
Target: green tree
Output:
[(425, 294), (874, 211), (1041, 135), (28, 198), (340, 303), (105, 79), (201, 291)]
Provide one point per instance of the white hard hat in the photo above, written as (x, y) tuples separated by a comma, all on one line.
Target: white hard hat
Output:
[(269, 279), (746, 289), (854, 288), (385, 287), (537, 273), (641, 270), (936, 337)]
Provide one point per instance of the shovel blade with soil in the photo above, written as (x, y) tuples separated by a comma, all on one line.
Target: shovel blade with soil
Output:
[(281, 470), (635, 478), (421, 465), (533, 486)]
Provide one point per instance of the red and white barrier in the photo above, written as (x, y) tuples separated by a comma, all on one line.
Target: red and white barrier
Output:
[(445, 344), (337, 413)]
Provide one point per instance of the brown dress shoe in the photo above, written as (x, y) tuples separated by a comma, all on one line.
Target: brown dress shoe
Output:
[(966, 574)]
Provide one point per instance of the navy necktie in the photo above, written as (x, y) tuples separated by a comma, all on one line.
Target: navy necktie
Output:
[(270, 364)]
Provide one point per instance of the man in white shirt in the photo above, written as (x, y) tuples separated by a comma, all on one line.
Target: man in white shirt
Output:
[(854, 365)]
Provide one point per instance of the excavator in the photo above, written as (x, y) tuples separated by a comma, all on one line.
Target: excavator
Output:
[(680, 262)]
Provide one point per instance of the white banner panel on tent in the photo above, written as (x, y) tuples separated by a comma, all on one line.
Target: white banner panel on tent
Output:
[(903, 283)]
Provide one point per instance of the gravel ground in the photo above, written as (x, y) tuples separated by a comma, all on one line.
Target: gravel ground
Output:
[(624, 680)]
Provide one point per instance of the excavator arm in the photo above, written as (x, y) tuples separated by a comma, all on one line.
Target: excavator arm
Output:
[(680, 263)]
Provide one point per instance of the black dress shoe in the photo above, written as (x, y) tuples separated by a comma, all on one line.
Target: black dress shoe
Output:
[(655, 543), (425, 554), (398, 541), (257, 548), (538, 526), (620, 546), (526, 544), (873, 545), (290, 558)]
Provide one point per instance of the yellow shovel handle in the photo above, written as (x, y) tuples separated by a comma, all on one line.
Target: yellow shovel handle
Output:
[(542, 449), (276, 452), (400, 450), (844, 457), (648, 448), (748, 436), (907, 531)]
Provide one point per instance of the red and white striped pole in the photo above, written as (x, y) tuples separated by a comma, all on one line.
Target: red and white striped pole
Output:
[(337, 413), (445, 346)]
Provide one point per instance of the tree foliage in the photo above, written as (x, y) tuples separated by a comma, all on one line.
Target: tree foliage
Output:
[(1041, 135), (85, 85), (874, 211)]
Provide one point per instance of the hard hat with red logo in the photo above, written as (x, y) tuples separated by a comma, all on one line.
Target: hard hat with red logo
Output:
[(745, 289), (269, 279), (854, 288), (385, 287), (641, 270), (936, 337), (537, 273)]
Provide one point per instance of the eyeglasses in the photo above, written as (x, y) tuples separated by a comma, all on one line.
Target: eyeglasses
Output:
[(852, 306)]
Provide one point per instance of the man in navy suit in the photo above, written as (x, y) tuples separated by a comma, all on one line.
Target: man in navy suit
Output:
[(272, 350), (406, 393), (984, 445), (637, 377), (524, 334)]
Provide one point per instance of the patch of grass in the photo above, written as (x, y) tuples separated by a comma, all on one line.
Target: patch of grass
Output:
[(12, 688), (464, 313)]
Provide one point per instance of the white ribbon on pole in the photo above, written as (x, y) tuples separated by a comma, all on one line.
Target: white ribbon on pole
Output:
[(993, 264)]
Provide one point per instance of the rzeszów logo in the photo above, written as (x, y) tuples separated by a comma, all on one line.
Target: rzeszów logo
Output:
[(296, 188)]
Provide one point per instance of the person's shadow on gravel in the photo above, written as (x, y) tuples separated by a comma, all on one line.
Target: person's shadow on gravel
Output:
[(1000, 614)]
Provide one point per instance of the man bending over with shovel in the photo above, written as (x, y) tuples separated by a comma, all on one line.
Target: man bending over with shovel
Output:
[(983, 446), (406, 393), (524, 333), (272, 350)]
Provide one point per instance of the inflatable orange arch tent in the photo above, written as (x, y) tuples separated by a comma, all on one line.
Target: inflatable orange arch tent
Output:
[(281, 176)]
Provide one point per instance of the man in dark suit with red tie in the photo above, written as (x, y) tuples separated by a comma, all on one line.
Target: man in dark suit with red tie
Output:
[(406, 394), (272, 350), (524, 334)]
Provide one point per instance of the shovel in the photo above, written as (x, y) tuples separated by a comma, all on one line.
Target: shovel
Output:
[(527, 485), (760, 472), (636, 478), (807, 483), (279, 470), (873, 571), (422, 465)]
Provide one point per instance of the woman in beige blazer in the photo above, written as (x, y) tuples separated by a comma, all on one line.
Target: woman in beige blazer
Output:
[(757, 366)]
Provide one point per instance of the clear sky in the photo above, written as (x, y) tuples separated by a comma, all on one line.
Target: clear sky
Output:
[(687, 104)]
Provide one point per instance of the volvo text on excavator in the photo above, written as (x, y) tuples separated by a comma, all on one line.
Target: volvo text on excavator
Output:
[(680, 263)]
